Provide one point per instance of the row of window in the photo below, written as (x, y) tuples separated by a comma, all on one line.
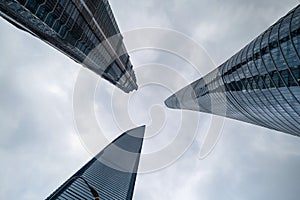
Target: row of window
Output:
[(275, 66), (274, 50), (65, 18), (253, 108), (113, 72), (270, 80), (255, 66), (92, 5), (106, 19), (17, 8), (265, 45), (264, 110), (260, 109)]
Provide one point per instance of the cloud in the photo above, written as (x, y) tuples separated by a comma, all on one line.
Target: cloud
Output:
[(37, 133), (39, 147)]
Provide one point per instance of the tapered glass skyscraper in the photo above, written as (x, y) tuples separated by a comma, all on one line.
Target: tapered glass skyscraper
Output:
[(258, 85), (84, 30), (112, 173)]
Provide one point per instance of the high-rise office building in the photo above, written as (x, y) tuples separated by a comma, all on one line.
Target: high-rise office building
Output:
[(84, 30), (258, 85), (112, 173)]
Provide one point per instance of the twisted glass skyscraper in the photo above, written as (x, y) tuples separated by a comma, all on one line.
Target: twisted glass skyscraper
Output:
[(112, 173), (81, 29), (258, 85)]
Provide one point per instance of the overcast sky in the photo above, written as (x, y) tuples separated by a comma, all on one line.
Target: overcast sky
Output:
[(40, 147)]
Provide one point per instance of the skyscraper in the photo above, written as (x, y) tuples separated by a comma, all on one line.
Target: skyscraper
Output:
[(258, 85), (112, 173), (84, 30)]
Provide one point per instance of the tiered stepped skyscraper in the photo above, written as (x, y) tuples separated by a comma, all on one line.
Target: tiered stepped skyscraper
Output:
[(84, 30)]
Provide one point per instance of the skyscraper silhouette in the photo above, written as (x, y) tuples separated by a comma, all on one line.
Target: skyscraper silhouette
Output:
[(112, 173), (84, 30), (258, 85)]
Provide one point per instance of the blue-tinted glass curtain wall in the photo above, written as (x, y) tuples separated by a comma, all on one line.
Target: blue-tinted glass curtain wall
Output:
[(84, 30), (112, 173), (258, 85)]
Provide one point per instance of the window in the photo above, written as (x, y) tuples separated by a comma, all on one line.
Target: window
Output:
[(41, 13), (69, 8), (22, 2), (62, 31), (268, 81), (254, 82), (296, 73), (50, 20), (31, 5), (57, 26), (260, 82), (114, 71), (275, 78), (285, 76)]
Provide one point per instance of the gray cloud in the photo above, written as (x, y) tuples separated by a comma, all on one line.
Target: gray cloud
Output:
[(39, 147), (37, 134)]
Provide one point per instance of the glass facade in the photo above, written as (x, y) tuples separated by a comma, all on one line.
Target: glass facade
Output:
[(258, 85), (112, 173), (82, 29)]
